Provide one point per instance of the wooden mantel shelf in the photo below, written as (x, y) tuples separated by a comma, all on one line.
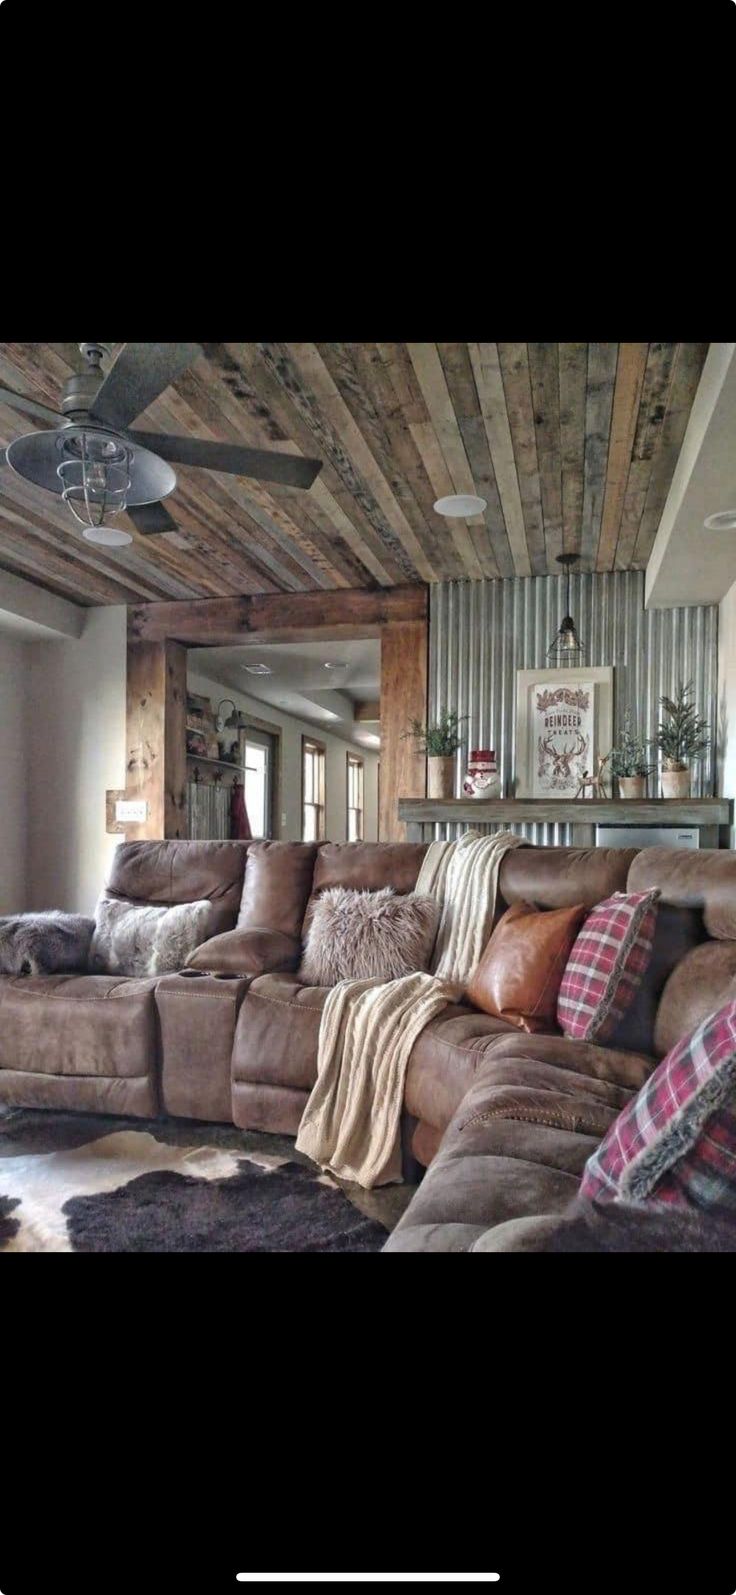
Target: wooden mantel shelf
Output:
[(582, 813)]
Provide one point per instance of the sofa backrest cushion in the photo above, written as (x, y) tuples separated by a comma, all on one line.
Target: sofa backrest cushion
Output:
[(181, 872), (698, 878), (677, 932), (366, 866), (560, 877), (700, 983), (277, 884)]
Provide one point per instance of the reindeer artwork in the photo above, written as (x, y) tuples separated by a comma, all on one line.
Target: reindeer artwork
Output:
[(558, 763)]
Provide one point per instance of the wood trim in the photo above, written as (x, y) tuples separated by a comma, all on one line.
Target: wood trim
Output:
[(370, 713), (404, 674), (277, 617), (314, 742), (354, 758)]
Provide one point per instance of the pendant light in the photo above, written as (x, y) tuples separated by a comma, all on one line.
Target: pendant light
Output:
[(567, 647)]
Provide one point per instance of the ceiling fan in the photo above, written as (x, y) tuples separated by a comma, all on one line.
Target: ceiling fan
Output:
[(99, 467)]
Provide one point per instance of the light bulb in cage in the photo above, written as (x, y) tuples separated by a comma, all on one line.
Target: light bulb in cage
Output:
[(94, 472)]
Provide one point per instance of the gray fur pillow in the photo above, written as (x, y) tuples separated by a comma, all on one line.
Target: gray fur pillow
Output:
[(356, 935), (50, 943), (140, 939)]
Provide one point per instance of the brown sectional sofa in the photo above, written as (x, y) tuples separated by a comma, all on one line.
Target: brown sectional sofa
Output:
[(505, 1119)]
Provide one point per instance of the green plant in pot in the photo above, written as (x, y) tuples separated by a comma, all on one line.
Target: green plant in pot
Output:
[(630, 762), (681, 737), (439, 742)]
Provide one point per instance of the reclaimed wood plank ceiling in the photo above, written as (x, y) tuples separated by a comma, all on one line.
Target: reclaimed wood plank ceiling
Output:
[(572, 445)]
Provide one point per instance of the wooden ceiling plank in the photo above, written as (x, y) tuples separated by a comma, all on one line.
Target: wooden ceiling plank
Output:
[(329, 490), (64, 588), (415, 417), (632, 360), (319, 382), (174, 413), (602, 364), (544, 375), (279, 363), (366, 388), (19, 504), (652, 410), (685, 376), (206, 516), (492, 399), (573, 375), (24, 544), (431, 378), (212, 404), (463, 393), (514, 362)]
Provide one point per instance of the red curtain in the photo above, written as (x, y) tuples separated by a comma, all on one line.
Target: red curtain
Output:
[(239, 826)]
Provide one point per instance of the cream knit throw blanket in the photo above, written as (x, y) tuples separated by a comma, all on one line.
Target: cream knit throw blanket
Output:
[(351, 1124)]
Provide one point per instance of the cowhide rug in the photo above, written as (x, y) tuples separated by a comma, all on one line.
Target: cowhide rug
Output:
[(148, 1190)]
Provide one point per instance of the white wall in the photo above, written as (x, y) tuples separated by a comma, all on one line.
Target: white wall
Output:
[(76, 750), (291, 771), (726, 736), (14, 786)]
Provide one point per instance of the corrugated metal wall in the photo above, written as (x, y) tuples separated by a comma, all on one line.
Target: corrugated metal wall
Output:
[(482, 632)]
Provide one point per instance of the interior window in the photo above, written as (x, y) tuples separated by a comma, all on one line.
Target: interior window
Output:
[(355, 798), (313, 790), (257, 788)]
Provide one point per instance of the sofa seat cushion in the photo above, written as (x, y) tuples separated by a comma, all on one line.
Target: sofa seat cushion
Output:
[(278, 1032), (488, 1174), (95, 1025), (519, 1140)]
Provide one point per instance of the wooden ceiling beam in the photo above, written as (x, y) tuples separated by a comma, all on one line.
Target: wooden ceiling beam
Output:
[(514, 362), (277, 617)]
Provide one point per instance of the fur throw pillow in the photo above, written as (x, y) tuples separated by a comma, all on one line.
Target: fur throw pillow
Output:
[(357, 935), (51, 943), (140, 939)]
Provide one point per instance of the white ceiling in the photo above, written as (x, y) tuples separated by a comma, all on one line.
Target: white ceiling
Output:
[(690, 564), (301, 685)]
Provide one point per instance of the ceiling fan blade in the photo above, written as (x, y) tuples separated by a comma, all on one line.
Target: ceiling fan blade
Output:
[(290, 470), (18, 401), (150, 518), (141, 372)]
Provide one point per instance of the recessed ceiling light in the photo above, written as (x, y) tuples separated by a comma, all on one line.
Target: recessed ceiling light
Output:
[(723, 521), (460, 504), (258, 670), (335, 664), (108, 536)]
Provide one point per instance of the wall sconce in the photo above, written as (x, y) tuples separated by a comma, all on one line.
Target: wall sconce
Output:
[(236, 721)]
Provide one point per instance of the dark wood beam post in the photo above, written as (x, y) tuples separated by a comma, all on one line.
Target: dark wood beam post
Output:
[(155, 755), (404, 650)]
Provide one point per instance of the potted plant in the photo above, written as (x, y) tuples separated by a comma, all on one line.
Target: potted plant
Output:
[(629, 762), (440, 743), (681, 737)]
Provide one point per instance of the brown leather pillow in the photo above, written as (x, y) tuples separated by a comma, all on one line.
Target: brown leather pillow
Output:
[(519, 974)]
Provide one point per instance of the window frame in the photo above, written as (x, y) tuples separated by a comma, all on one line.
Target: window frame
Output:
[(353, 761), (313, 745)]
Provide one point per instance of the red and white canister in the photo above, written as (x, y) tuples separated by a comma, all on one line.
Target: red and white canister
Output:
[(482, 779)]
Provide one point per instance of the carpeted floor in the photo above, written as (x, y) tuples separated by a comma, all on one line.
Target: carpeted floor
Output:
[(89, 1183)]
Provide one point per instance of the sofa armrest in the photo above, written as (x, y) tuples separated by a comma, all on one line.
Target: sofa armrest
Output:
[(247, 952)]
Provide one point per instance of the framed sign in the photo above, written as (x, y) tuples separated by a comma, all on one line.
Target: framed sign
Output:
[(564, 722)]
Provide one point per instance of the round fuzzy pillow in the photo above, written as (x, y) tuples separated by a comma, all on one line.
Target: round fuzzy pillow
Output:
[(360, 935)]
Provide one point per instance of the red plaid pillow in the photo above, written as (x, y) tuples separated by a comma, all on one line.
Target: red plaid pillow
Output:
[(676, 1141), (607, 965)]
